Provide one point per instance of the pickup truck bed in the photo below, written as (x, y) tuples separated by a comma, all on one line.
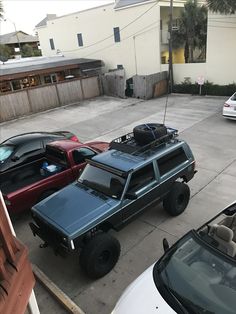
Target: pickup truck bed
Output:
[(24, 186), (25, 175)]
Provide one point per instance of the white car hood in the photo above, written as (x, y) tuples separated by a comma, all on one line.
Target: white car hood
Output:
[(142, 297)]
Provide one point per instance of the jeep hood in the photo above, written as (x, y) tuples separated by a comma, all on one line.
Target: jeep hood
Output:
[(74, 210), (142, 297)]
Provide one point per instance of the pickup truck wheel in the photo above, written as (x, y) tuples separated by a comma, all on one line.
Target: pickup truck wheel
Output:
[(177, 199), (145, 133), (99, 255)]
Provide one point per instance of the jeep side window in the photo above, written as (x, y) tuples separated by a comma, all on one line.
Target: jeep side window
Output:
[(171, 161), (141, 177)]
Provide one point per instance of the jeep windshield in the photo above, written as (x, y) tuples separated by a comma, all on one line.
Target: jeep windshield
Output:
[(102, 181), (193, 277)]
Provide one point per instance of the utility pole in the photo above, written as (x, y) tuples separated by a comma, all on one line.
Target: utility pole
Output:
[(17, 37), (171, 77)]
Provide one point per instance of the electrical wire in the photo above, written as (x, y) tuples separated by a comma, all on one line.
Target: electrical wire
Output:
[(144, 30), (110, 36)]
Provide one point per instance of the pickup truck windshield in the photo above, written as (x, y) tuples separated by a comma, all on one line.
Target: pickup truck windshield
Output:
[(5, 152), (102, 181), (200, 279)]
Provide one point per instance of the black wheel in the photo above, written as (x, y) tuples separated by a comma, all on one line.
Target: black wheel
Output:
[(45, 195), (99, 255), (177, 199), (145, 133)]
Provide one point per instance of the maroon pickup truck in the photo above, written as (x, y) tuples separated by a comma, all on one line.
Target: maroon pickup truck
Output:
[(28, 184)]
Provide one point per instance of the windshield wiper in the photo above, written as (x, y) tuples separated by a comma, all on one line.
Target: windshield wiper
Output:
[(170, 289), (194, 308)]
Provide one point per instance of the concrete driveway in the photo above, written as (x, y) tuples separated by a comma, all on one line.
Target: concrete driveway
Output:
[(213, 141)]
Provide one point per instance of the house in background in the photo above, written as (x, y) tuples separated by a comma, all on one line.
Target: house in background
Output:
[(30, 85), (134, 35), (17, 40), (34, 72), (124, 34)]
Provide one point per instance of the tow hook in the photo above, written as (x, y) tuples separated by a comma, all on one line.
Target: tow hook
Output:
[(43, 245)]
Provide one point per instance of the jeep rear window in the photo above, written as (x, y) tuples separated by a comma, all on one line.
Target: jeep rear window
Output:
[(141, 177), (171, 161)]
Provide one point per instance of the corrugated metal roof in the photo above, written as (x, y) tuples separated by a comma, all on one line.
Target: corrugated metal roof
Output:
[(11, 38), (125, 3), (47, 18), (39, 64)]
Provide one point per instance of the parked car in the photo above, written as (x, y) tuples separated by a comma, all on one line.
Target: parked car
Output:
[(24, 148), (114, 188), (229, 109), (196, 275), (25, 185)]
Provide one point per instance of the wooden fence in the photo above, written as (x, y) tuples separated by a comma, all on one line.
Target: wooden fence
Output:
[(40, 98)]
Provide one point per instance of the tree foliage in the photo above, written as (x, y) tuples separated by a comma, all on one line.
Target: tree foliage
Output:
[(27, 50), (5, 51), (1, 10), (222, 6), (192, 30)]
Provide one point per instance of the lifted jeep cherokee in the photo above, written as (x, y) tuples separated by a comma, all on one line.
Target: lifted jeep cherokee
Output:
[(115, 187)]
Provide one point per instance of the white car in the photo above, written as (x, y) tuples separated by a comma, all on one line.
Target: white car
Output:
[(197, 275), (229, 109)]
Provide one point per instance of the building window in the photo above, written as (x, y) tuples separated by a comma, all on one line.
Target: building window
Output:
[(80, 40), (5, 87), (116, 34), (52, 44)]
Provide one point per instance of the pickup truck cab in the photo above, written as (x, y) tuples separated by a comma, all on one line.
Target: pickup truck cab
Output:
[(24, 186), (114, 188)]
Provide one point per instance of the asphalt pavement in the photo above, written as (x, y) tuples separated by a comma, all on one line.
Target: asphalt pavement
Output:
[(213, 142)]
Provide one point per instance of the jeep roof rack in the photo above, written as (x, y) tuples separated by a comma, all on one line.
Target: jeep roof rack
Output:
[(127, 143)]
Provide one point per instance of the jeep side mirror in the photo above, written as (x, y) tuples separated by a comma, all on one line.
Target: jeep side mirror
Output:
[(131, 196), (165, 244)]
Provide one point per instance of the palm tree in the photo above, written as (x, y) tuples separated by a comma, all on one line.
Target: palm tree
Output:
[(222, 6), (1, 10), (192, 30)]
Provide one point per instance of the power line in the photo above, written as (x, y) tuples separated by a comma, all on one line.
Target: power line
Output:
[(220, 26), (110, 36), (128, 37)]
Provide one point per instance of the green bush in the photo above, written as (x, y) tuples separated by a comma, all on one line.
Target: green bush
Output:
[(207, 89)]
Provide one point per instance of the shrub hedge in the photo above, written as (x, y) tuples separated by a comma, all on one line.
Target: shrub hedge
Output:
[(207, 89)]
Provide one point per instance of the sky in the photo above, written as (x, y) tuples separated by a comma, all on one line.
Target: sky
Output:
[(25, 14)]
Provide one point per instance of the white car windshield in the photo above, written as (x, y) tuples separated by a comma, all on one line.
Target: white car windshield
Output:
[(5, 152), (203, 281), (102, 181), (233, 97)]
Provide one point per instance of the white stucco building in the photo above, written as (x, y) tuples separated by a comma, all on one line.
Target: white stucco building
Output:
[(133, 34)]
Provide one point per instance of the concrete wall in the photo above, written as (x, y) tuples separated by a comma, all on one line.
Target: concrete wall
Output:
[(144, 85), (114, 83), (188, 70), (20, 103), (138, 51), (221, 49)]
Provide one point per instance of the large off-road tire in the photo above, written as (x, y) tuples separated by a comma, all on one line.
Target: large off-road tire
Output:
[(146, 133), (177, 199), (99, 255)]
